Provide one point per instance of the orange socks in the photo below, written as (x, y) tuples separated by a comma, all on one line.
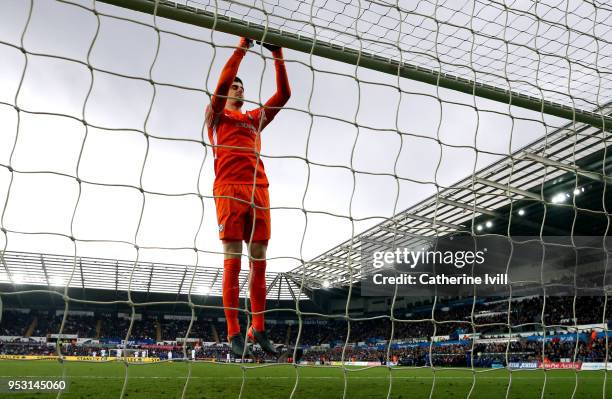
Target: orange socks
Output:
[(258, 293), (231, 270)]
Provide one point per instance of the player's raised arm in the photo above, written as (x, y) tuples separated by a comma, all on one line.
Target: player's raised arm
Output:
[(228, 74), (283, 90)]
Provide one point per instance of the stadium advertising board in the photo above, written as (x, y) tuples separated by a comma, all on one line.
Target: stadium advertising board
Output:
[(83, 358), (545, 365), (18, 338), (560, 365), (26, 357), (523, 365), (360, 364), (596, 366), (561, 337), (62, 336), (118, 341)]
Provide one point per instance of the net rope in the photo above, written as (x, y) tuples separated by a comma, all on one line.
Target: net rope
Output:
[(490, 50)]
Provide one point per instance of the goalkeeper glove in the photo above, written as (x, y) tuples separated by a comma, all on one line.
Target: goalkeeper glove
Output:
[(245, 43)]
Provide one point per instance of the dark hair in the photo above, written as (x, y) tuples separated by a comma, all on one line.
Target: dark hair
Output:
[(237, 79)]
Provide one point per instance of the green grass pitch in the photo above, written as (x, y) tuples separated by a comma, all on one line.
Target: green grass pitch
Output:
[(216, 381)]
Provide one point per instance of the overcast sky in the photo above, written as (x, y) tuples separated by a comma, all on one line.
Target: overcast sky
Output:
[(437, 144)]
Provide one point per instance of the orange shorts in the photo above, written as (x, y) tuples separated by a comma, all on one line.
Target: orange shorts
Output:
[(235, 215)]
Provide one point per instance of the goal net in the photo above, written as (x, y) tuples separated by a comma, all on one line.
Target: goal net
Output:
[(466, 129)]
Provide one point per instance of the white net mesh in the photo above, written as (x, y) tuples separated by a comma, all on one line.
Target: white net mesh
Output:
[(105, 161), (556, 50)]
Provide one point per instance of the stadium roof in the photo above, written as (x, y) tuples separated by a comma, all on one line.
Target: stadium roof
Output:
[(519, 177), (35, 269)]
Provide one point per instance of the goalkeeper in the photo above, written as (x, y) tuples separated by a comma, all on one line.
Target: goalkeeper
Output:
[(239, 176)]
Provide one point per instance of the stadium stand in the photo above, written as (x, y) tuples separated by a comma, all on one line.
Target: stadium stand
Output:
[(449, 338)]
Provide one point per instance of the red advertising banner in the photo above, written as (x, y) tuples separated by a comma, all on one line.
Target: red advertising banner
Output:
[(560, 365)]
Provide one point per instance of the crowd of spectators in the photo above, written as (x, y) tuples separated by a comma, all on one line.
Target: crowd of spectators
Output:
[(49, 322), (117, 327), (425, 321), (464, 354), (467, 354), (171, 329), (17, 348), (14, 323), (43, 323)]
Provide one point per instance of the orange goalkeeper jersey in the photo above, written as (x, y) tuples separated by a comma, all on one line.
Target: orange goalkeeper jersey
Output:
[(234, 135), (236, 144)]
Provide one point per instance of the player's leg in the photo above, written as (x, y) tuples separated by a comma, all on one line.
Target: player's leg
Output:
[(231, 288), (257, 332), (231, 299), (231, 219), (258, 283), (257, 253)]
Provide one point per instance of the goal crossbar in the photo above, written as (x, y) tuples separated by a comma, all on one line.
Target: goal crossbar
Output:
[(221, 23)]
